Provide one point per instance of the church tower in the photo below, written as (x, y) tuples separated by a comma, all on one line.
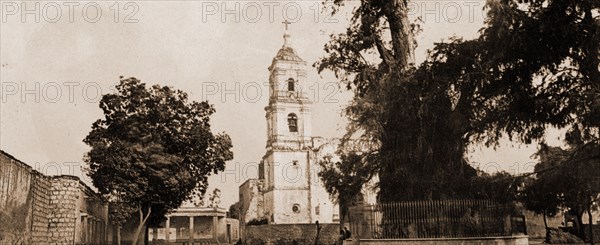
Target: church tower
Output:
[(285, 165)]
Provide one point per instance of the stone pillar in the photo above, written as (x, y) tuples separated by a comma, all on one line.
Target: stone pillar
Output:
[(97, 230), (154, 234), (63, 211), (215, 228), (106, 223), (84, 228), (92, 229), (167, 228), (191, 238), (358, 220)]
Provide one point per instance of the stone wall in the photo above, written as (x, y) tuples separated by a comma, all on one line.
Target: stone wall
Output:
[(63, 212), (92, 224), (38, 209), (251, 200), (40, 212), (288, 234), (508, 240), (595, 232), (15, 200), (234, 230), (535, 223)]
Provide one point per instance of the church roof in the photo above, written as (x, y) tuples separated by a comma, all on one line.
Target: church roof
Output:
[(287, 53)]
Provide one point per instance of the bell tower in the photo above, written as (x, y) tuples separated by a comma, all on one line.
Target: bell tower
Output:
[(285, 165), (288, 113)]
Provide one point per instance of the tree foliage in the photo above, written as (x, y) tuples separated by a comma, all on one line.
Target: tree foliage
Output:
[(501, 187), (214, 199), (419, 131), (344, 180), (153, 149), (534, 66), (235, 210), (542, 197), (566, 178)]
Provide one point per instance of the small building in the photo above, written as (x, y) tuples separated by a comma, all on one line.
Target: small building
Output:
[(40, 209), (196, 225)]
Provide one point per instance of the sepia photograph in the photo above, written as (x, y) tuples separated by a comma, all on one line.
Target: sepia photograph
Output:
[(299, 122)]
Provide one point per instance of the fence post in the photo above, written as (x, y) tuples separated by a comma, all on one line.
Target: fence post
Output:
[(359, 222), (524, 225)]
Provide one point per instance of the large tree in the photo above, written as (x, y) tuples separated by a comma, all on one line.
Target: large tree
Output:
[(542, 196), (153, 149), (345, 179), (420, 131), (567, 178), (534, 66), (235, 211)]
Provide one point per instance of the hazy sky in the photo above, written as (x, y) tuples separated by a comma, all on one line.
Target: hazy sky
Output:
[(57, 58)]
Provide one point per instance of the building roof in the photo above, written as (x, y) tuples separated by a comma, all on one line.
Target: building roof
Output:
[(287, 53), (199, 211)]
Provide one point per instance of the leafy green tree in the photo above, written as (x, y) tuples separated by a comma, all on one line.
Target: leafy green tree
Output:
[(234, 210), (421, 126), (214, 199), (534, 66), (545, 193), (501, 187), (119, 213), (344, 180), (572, 174), (153, 149), (542, 196)]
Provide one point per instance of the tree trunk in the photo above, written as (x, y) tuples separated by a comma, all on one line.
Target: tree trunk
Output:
[(580, 227), (343, 209), (318, 233), (343, 214), (545, 222), (396, 13), (141, 225), (590, 225), (118, 235), (547, 232), (146, 235)]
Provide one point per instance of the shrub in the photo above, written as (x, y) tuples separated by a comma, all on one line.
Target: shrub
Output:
[(262, 221), (254, 241)]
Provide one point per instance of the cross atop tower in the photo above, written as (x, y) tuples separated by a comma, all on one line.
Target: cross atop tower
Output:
[(286, 23), (286, 34)]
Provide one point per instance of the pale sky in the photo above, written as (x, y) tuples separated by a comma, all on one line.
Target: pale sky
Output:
[(54, 69)]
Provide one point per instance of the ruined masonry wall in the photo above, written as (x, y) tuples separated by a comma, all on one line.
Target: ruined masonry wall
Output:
[(63, 203), (39, 209)]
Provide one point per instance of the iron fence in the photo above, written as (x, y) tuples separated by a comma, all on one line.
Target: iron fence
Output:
[(435, 219)]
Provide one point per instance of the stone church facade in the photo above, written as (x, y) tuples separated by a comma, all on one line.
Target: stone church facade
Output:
[(288, 190)]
